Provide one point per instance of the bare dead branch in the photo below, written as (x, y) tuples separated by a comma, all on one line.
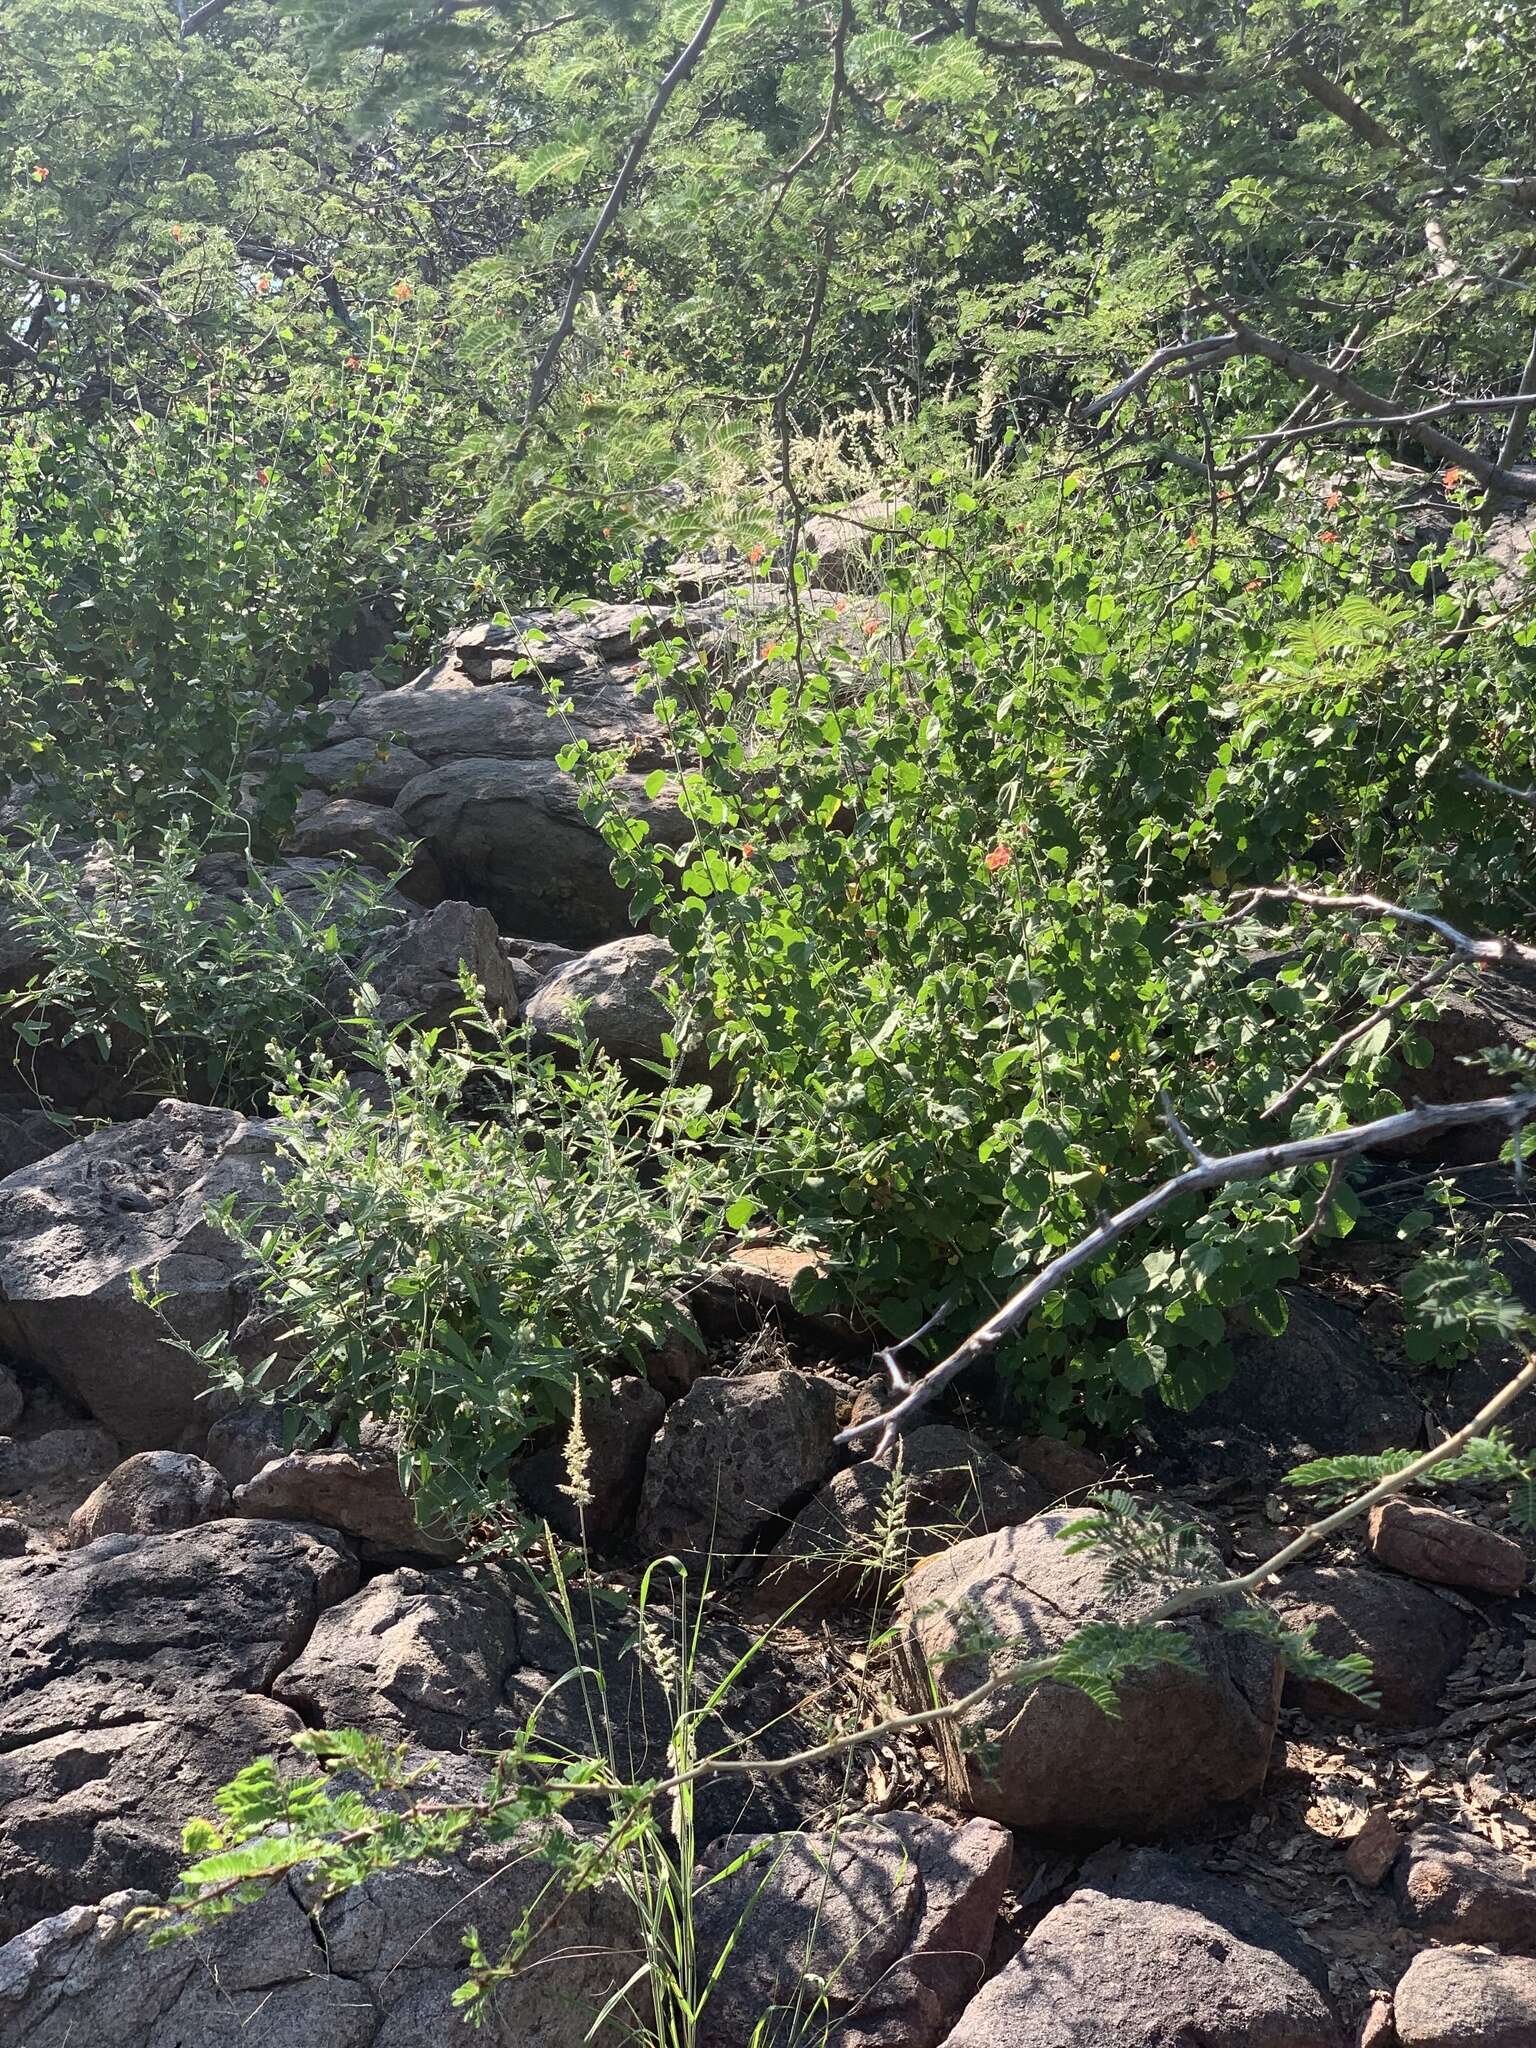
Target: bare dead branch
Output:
[(828, 129), (1514, 436), (1498, 952), (1514, 1109), (1296, 362), (781, 422), (92, 287), (1346, 108), (194, 23), (1521, 796), (1071, 48), (1519, 402), (1192, 357)]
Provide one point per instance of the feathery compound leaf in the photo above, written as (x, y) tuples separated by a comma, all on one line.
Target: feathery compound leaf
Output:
[(555, 163), (1100, 1657), (1143, 1544), (1352, 1674), (1337, 1478)]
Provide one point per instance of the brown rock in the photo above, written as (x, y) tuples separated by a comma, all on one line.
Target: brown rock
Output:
[(676, 1364), (1413, 1638), (1454, 1885), (1466, 1998), (758, 1284), (1148, 1953), (357, 1492), (1427, 1543), (950, 1487), (1374, 1850), (1047, 1758), (1378, 2029), (154, 1491), (892, 1916), (371, 834), (1060, 1467)]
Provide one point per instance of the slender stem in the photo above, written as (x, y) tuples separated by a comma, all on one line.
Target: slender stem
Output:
[(544, 369)]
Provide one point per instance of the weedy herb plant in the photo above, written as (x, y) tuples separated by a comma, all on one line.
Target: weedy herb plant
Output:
[(182, 990), (958, 906), (456, 1246)]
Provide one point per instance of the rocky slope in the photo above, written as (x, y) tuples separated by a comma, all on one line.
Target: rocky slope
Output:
[(1237, 1860)]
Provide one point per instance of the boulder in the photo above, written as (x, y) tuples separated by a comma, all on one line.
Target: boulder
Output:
[(863, 1530), (757, 1286), (890, 1918), (423, 1656), (677, 1363), (1413, 1638), (452, 714), (358, 1492), (1458, 1396), (54, 1454), (1315, 1389), (12, 1399), (618, 1421), (1453, 1885), (372, 771), (1376, 2028), (244, 1439), (367, 833), (510, 834), (732, 1456), (461, 1658), (149, 1493), (843, 541), (1063, 1469), (306, 886), (533, 961), (375, 1968), (1460, 1035), (1425, 1542), (27, 1135), (134, 1686), (1466, 1998), (129, 1203), (1047, 1758), (1148, 1953), (416, 977), (618, 994)]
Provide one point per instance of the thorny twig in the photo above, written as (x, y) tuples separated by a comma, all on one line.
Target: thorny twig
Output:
[(828, 127)]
